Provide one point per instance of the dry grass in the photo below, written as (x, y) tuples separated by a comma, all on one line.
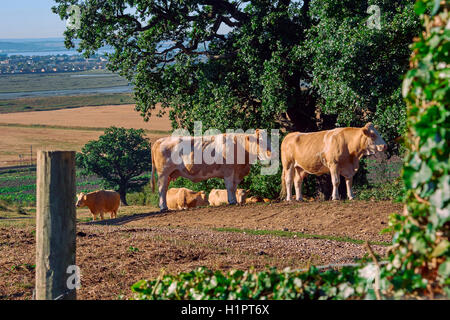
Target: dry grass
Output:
[(72, 128)]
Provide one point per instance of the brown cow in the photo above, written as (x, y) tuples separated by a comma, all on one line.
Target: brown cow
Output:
[(331, 151), (228, 156), (183, 198), (100, 201), (218, 197)]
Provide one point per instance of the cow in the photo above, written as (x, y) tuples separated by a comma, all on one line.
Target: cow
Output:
[(183, 156), (100, 201), (256, 199), (336, 152), (218, 197), (183, 198)]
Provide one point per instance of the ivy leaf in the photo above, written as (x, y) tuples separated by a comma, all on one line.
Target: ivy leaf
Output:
[(441, 248)]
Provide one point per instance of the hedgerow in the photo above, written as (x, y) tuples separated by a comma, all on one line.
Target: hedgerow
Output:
[(419, 260), (204, 284)]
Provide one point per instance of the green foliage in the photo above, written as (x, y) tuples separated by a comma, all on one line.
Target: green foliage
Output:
[(119, 156), (204, 284), (356, 69), (421, 255), (145, 197), (277, 57), (386, 191)]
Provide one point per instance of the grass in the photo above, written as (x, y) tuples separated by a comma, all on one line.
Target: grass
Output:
[(59, 81), (291, 234), (63, 102)]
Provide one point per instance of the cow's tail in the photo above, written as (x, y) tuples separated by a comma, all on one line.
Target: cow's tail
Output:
[(152, 178), (283, 192)]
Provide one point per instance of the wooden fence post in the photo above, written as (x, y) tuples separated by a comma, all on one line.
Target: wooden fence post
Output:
[(55, 224)]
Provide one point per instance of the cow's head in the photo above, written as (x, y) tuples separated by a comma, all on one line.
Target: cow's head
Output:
[(80, 200), (241, 195), (374, 142)]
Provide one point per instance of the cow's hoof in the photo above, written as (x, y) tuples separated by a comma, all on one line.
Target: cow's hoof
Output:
[(164, 210)]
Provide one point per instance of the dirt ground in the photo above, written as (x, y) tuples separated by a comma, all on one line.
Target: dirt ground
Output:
[(114, 254), (17, 140)]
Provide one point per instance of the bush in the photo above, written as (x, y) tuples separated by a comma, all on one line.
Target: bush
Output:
[(144, 198), (387, 191), (204, 284), (380, 179)]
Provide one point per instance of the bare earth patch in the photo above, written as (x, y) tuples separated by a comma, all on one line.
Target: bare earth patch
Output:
[(114, 254)]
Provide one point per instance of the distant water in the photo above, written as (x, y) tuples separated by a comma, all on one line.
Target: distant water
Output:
[(75, 92)]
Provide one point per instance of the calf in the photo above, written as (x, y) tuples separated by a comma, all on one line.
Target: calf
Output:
[(99, 202), (183, 198), (218, 197)]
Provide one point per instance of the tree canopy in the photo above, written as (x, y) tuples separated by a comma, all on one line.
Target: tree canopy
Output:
[(301, 65), (118, 156)]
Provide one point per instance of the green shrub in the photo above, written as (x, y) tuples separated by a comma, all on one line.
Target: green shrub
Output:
[(204, 284), (386, 191), (144, 198)]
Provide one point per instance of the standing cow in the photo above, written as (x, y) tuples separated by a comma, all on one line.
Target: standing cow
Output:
[(100, 202), (228, 156), (183, 198), (335, 151)]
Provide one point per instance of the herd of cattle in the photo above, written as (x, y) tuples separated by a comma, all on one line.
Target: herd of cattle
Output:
[(336, 152)]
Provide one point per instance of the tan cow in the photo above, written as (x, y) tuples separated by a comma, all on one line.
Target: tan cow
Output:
[(183, 198), (256, 199), (335, 151), (218, 197), (100, 201), (228, 156)]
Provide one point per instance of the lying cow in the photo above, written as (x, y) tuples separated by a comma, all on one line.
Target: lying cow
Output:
[(335, 151), (183, 198), (100, 202), (233, 154), (256, 199), (218, 197)]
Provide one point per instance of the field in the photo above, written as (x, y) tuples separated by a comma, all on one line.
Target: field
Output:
[(62, 102), (67, 129), (140, 243), (60, 81)]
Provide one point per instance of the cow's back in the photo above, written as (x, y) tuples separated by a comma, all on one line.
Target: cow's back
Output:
[(217, 197), (183, 198), (305, 150), (104, 200)]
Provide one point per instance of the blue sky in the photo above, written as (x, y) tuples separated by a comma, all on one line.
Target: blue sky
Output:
[(29, 19)]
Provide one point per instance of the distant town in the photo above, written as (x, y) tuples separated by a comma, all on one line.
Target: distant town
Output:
[(18, 64)]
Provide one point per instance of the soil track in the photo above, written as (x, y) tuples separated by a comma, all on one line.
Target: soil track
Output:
[(113, 254)]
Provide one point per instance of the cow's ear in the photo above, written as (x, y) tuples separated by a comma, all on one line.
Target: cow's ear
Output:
[(366, 129)]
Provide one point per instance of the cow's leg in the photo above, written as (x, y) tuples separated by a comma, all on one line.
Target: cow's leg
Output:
[(163, 184), (288, 177), (348, 183), (298, 181), (231, 187), (335, 181), (102, 215)]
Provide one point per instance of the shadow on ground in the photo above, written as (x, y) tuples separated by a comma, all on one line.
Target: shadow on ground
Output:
[(125, 219)]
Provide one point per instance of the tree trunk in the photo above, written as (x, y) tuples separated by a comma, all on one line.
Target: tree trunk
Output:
[(123, 196)]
